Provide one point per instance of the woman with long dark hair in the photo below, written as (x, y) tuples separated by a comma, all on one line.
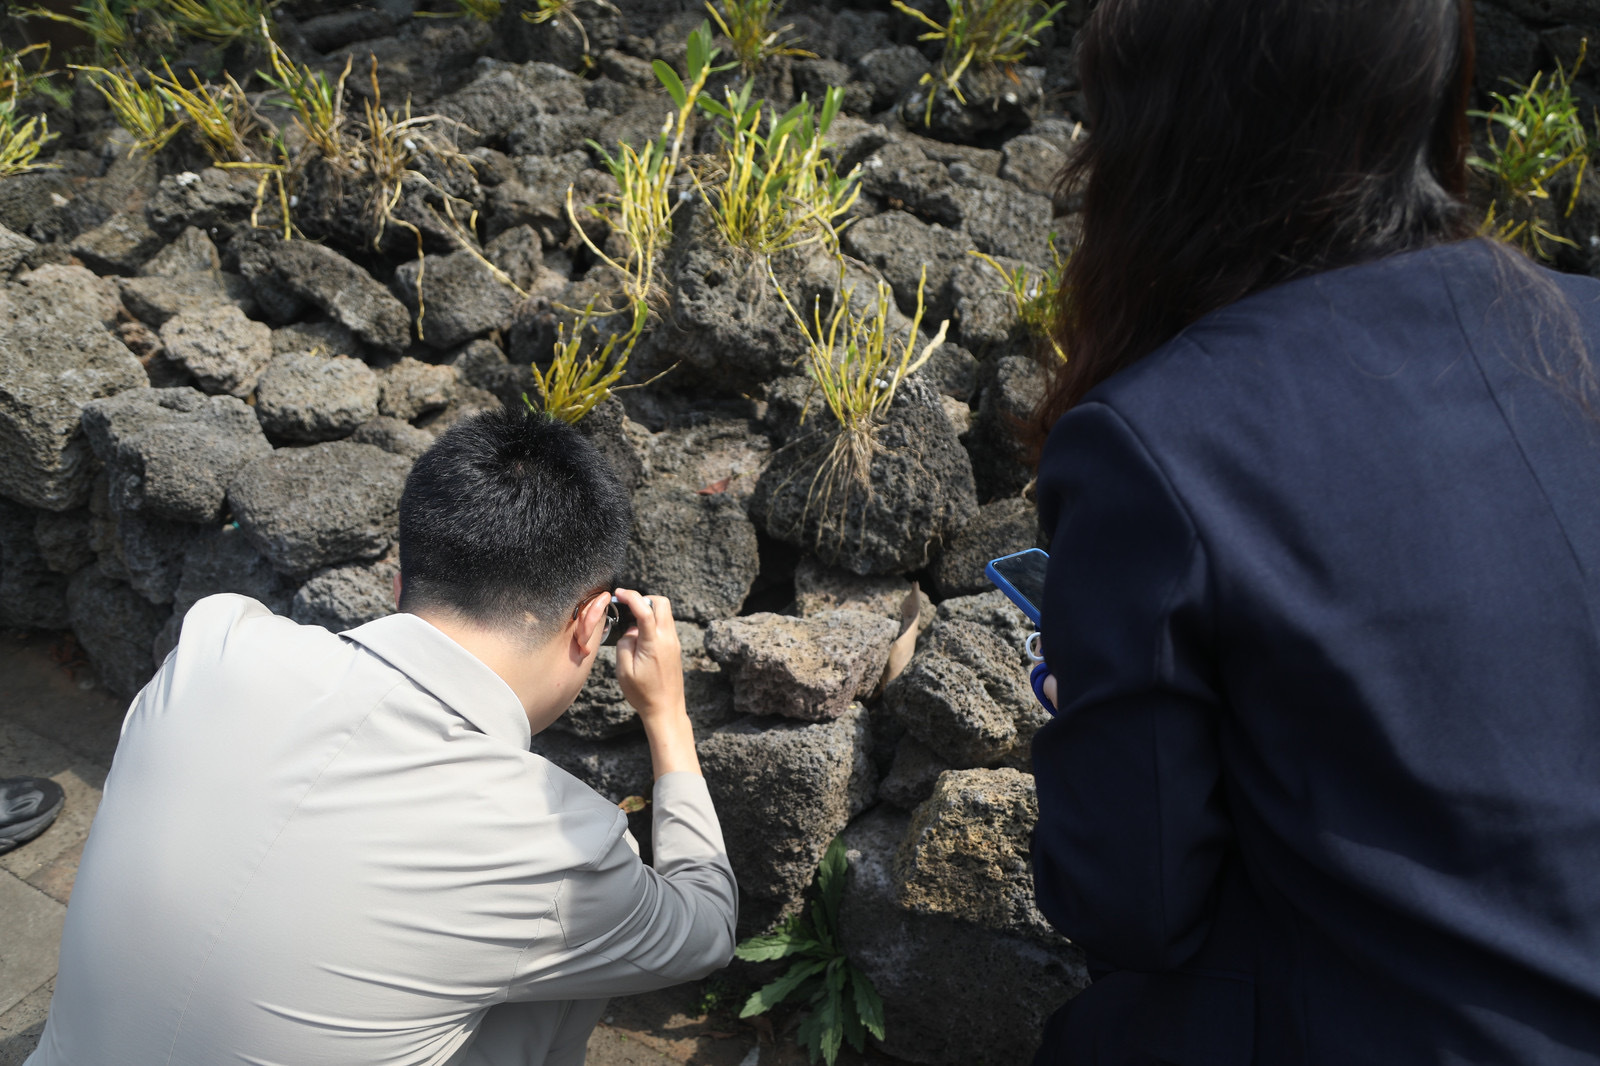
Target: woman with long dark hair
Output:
[(1322, 484)]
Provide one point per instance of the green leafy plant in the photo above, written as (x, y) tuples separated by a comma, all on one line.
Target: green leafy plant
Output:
[(747, 24), (1033, 296), (565, 12), (979, 33), (843, 1004), (137, 105), (584, 373), (21, 140), (777, 189), (640, 213), (1535, 134)]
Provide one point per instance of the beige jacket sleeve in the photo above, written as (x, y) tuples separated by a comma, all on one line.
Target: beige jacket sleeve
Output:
[(620, 927)]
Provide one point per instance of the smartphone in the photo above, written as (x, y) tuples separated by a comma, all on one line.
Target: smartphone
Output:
[(1021, 578)]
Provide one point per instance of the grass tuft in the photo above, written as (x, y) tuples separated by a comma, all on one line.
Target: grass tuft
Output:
[(579, 378), (137, 105), (777, 189), (1535, 134), (21, 140), (979, 33), (747, 24), (1033, 297), (565, 12)]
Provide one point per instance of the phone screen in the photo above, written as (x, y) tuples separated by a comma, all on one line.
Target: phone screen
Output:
[(1025, 572)]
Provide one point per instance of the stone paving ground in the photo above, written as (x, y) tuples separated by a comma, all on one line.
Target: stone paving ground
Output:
[(56, 723)]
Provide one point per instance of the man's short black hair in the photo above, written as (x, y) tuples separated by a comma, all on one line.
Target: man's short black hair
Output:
[(508, 521)]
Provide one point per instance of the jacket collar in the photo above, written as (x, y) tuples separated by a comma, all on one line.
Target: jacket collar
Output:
[(459, 679)]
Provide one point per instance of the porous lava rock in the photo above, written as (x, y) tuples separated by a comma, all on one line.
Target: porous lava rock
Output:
[(318, 506), (117, 628), (346, 293), (965, 695), (393, 436), (808, 668), (698, 550), (308, 397), (460, 297), (920, 491), (912, 774), (225, 351), (783, 791), (119, 245), (55, 356), (156, 298), (190, 252), (999, 455), (1002, 527), (1007, 984), (343, 597), (63, 539), (965, 854), (149, 553), (14, 249), (32, 594), (170, 453), (411, 388)]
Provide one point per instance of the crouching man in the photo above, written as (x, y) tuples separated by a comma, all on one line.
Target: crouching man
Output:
[(338, 849)]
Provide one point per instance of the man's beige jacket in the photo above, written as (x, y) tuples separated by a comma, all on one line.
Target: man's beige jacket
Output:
[(338, 849)]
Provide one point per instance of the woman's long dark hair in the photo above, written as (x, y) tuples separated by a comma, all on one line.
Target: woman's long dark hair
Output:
[(1237, 144)]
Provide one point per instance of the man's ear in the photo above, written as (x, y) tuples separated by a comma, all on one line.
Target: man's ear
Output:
[(589, 626), (397, 590)]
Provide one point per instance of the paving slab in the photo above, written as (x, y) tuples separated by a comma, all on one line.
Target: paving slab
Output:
[(21, 1025), (32, 939)]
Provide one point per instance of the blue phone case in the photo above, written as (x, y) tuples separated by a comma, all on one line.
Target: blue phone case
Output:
[(1005, 586)]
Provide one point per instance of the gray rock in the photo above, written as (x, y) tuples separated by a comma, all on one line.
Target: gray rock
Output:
[(346, 293), (616, 768), (718, 455), (919, 491), (189, 252), (920, 964), (465, 401), (912, 774), (997, 101), (901, 173), (55, 356), (902, 247), (1035, 163), (309, 508), (32, 594), (506, 95), (1000, 459), (807, 668), (156, 298), (966, 695), (411, 389), (70, 290), (344, 597), (819, 588), (461, 298), (993, 611), (209, 200), (149, 553), (985, 314), (889, 72), (600, 711), (965, 854), (338, 28), (1001, 528), (63, 540), (953, 371), (1584, 11), (783, 791), (225, 351), (323, 337), (117, 628), (519, 253), (697, 550), (305, 397), (222, 559), (1002, 219), (14, 248), (170, 453), (119, 245), (393, 436)]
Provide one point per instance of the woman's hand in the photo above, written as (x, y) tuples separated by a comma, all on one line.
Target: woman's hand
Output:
[(1049, 687), (650, 673)]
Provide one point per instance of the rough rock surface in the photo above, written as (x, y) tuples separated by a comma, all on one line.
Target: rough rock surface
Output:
[(189, 252), (14, 248), (119, 245), (808, 668), (912, 774), (965, 854), (322, 277), (309, 508), (149, 553), (306, 398), (921, 492), (920, 964), (55, 356), (343, 597), (225, 351), (222, 559), (993, 611), (1003, 527), (393, 436), (117, 628), (697, 550), (63, 540), (156, 298), (411, 389), (170, 453), (32, 594), (462, 299), (999, 458), (783, 791), (819, 588), (965, 695), (616, 768)]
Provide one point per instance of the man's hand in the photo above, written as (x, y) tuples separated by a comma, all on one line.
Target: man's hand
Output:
[(650, 672)]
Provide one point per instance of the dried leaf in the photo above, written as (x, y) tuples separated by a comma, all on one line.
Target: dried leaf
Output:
[(906, 643), (633, 804), (716, 487)]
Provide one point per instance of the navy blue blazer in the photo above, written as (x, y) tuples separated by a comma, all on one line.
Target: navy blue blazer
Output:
[(1322, 605)]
